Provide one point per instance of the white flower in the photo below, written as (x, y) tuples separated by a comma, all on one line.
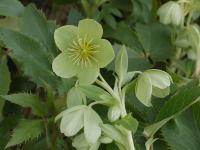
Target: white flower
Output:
[(152, 82), (171, 13)]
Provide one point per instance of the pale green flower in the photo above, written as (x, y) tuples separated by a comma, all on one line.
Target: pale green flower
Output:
[(152, 82), (171, 13), (83, 51), (81, 143), (75, 118)]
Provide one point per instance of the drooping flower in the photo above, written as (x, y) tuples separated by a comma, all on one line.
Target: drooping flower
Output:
[(78, 117), (171, 13), (83, 51), (152, 82)]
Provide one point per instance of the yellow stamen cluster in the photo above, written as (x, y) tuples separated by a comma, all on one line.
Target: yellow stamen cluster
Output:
[(82, 51)]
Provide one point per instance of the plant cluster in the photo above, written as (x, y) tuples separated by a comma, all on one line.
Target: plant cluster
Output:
[(118, 75)]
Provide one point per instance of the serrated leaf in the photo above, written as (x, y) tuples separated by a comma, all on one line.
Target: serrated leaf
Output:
[(121, 63), (4, 80), (179, 102), (183, 99), (182, 133), (6, 125), (25, 131), (30, 53), (40, 29), (26, 100), (10, 7)]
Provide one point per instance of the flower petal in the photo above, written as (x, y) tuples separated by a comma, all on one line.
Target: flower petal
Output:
[(105, 52), (159, 78), (88, 74), (80, 142), (64, 36), (143, 89), (72, 122), (92, 129), (69, 110), (91, 28), (164, 12), (161, 93), (63, 66)]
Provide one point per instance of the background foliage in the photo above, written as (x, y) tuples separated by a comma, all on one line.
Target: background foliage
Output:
[(31, 95)]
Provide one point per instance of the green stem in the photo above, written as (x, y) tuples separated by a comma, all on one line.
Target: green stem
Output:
[(123, 114), (106, 86), (47, 134), (189, 19), (97, 102)]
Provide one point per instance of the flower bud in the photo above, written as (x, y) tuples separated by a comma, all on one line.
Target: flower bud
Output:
[(114, 113), (171, 13), (106, 140)]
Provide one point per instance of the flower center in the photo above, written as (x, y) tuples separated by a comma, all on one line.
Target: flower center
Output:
[(82, 51)]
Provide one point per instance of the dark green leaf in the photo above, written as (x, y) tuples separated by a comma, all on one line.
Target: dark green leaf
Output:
[(6, 127), (183, 99), (4, 80), (124, 34), (26, 100), (141, 10), (34, 24), (149, 35), (182, 133), (33, 56), (110, 20), (74, 17), (4, 76), (179, 102), (25, 131), (10, 7), (196, 113)]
